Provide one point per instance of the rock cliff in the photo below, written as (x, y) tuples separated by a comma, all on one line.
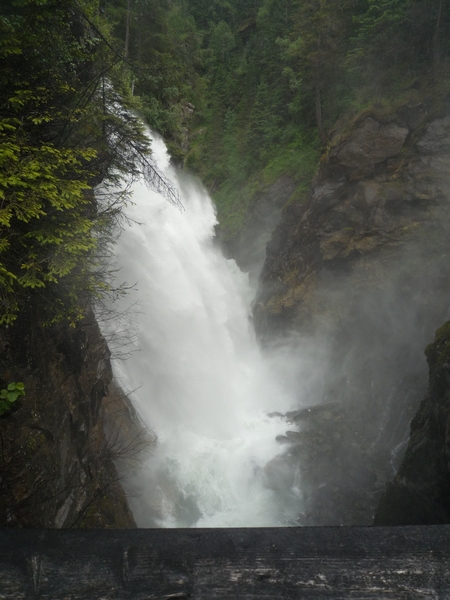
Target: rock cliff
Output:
[(420, 491), (358, 278), (56, 459)]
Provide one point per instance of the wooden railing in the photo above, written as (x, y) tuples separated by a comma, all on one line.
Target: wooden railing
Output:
[(203, 564)]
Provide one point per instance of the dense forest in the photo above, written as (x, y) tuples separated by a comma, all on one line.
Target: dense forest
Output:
[(242, 91), (270, 82)]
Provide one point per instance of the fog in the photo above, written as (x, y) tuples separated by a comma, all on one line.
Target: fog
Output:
[(365, 329), (305, 431), (200, 380)]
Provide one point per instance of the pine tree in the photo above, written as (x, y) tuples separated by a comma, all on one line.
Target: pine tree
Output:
[(316, 52)]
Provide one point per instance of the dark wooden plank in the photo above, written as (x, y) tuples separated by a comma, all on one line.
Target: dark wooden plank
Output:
[(356, 562)]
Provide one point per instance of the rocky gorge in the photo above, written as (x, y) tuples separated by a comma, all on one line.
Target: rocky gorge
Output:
[(358, 277), (59, 443), (355, 278)]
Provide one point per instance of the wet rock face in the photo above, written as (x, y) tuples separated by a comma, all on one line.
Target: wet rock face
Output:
[(362, 269), (370, 143), (420, 491), (327, 462), (56, 468), (436, 139)]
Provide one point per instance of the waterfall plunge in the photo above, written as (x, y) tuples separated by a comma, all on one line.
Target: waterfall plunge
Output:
[(201, 382)]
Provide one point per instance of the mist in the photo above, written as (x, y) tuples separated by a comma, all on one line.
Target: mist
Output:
[(198, 378), (304, 429), (365, 328)]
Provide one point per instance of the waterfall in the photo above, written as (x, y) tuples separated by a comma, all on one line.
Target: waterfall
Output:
[(200, 381)]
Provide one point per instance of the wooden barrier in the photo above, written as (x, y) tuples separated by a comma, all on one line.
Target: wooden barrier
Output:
[(327, 562)]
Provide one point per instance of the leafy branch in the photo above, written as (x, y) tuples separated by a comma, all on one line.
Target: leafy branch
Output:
[(9, 395)]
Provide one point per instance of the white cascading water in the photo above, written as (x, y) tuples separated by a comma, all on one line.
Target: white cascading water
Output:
[(201, 382)]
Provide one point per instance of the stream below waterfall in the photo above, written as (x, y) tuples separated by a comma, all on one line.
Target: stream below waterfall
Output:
[(201, 383)]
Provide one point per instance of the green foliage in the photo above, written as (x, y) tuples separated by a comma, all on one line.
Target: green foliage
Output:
[(63, 129), (9, 395), (162, 46), (382, 39), (281, 74), (268, 79), (222, 41), (299, 159), (264, 125), (395, 39), (44, 226), (252, 116)]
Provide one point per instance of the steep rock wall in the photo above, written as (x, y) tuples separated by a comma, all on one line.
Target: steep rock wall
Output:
[(56, 467), (420, 491), (358, 277)]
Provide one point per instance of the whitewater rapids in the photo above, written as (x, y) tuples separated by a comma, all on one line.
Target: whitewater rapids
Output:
[(200, 381)]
